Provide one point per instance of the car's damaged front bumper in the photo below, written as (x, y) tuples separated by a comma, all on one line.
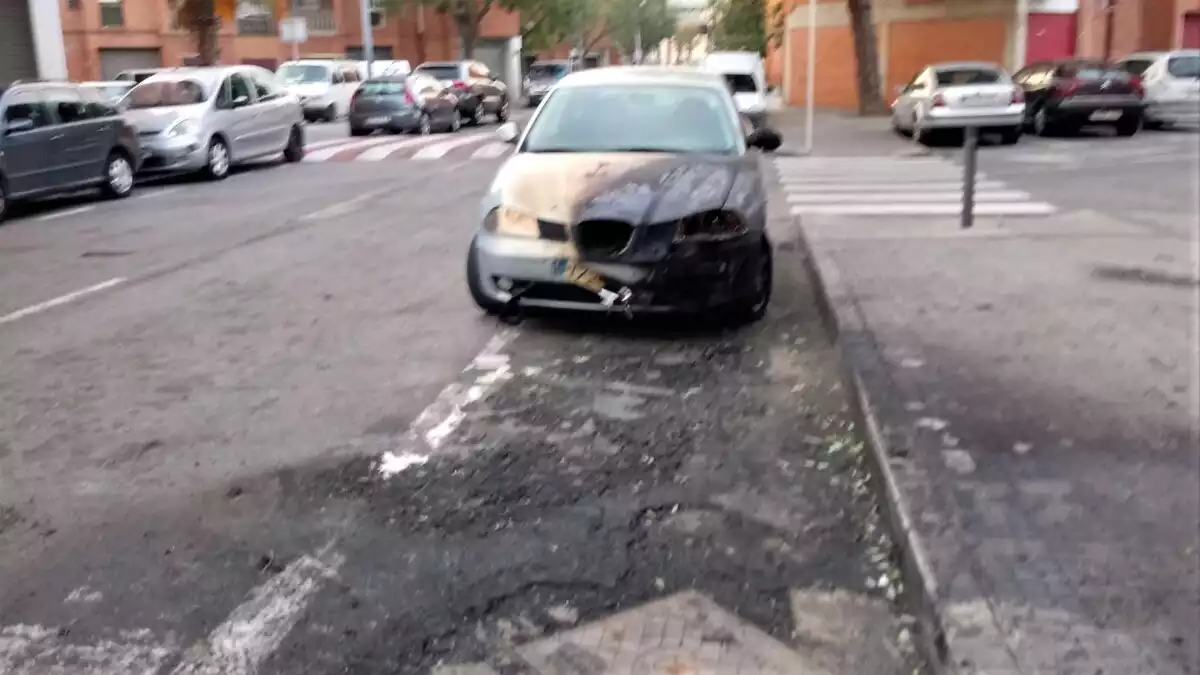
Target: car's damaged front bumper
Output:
[(687, 277)]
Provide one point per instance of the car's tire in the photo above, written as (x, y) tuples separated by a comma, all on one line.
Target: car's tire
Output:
[(1043, 125), (359, 132), (1127, 127), (1153, 125), (3, 201), (118, 176), (1011, 136), (424, 125), (473, 116), (455, 123), (475, 284), (330, 114), (754, 308), (217, 166), (294, 150), (502, 112)]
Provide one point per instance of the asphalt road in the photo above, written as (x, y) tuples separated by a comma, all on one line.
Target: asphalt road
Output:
[(257, 426)]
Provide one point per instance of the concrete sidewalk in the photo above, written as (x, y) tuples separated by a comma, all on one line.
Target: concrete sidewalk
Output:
[(1031, 389)]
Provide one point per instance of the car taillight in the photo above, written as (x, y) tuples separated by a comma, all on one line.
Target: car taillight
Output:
[(1139, 88), (1068, 88), (939, 100), (1018, 95), (458, 84), (408, 97)]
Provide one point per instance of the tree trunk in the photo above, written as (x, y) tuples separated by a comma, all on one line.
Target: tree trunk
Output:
[(208, 46), (866, 52)]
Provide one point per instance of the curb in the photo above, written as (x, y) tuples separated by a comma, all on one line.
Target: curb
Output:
[(910, 497)]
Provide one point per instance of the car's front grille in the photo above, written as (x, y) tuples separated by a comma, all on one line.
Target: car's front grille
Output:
[(552, 231), (559, 293), (603, 238)]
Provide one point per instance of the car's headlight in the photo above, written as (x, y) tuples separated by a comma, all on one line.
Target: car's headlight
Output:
[(184, 127), (510, 222)]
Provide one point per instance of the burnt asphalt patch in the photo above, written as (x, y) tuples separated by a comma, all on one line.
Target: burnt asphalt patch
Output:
[(618, 464)]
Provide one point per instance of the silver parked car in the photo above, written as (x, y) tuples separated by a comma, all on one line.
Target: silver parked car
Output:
[(953, 96), (1171, 82), (210, 119)]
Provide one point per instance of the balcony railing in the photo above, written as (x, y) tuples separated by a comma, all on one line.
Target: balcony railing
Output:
[(320, 21), (257, 24)]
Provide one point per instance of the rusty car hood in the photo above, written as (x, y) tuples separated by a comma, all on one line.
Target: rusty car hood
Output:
[(639, 188)]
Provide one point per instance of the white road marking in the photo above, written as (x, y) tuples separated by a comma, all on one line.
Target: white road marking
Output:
[(326, 153), (938, 209), (823, 187), (60, 300), (40, 650), (150, 194), (343, 207), (317, 145), (381, 152), (66, 212), (436, 422), (439, 150), (257, 627), (904, 197), (492, 150), (940, 174)]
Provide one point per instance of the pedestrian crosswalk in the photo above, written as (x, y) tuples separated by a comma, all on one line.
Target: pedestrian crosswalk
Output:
[(377, 148), (894, 186)]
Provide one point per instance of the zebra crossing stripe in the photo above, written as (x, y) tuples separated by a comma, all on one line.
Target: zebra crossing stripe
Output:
[(326, 153), (906, 197), (381, 152), (492, 150), (440, 149), (935, 186), (923, 209)]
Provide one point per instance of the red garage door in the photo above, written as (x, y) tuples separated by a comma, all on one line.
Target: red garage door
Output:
[(1191, 30)]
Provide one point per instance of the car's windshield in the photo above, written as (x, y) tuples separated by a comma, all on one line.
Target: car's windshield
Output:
[(166, 93), (443, 72), (542, 71), (1090, 71), (382, 88), (634, 118), (958, 77), (109, 91), (303, 73), (1184, 66), (741, 83)]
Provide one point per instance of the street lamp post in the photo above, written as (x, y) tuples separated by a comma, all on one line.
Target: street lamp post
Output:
[(368, 35), (637, 35)]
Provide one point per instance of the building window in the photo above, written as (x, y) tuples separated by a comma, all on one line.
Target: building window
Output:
[(112, 13), (255, 17), (318, 15)]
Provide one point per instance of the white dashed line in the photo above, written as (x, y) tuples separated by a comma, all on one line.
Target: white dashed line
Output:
[(66, 213), (60, 300), (439, 150)]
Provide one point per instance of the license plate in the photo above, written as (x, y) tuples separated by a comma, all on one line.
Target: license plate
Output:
[(579, 275), (377, 120), (1105, 115)]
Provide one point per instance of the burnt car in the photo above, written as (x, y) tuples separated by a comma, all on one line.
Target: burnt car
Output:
[(632, 190)]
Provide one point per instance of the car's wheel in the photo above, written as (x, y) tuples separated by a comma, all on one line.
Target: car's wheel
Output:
[(424, 124), (1128, 126), (1011, 136), (502, 112), (475, 284), (754, 307), (455, 122), (473, 116), (330, 114), (118, 176), (1153, 124), (359, 132), (294, 150), (1043, 125), (217, 167), (3, 202)]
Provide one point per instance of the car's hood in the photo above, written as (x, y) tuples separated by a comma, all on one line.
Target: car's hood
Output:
[(639, 188), (154, 120)]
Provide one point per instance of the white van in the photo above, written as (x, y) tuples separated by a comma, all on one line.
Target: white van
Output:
[(324, 86), (747, 80)]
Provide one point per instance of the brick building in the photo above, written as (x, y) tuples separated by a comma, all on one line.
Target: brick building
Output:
[(103, 37), (1139, 25)]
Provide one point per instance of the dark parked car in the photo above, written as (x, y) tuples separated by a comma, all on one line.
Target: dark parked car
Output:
[(417, 103), (1064, 96), (479, 92), (542, 77), (58, 137)]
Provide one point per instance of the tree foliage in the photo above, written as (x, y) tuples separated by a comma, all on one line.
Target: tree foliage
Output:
[(738, 25), (656, 20), (466, 15), (203, 18)]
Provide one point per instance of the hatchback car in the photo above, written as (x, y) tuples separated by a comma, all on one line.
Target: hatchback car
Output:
[(954, 96), (1065, 96), (541, 78), (208, 120), (479, 92), (323, 86), (56, 138), (417, 103), (1171, 85), (632, 190)]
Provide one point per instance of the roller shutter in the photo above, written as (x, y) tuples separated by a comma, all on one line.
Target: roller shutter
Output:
[(18, 60)]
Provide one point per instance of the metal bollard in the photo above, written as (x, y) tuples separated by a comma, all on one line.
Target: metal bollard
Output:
[(970, 155)]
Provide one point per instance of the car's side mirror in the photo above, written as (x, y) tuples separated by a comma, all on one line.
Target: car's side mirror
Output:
[(508, 132), (241, 101), (765, 139), (18, 125)]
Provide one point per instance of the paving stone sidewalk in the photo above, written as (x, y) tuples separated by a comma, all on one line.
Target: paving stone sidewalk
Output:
[(1031, 386)]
